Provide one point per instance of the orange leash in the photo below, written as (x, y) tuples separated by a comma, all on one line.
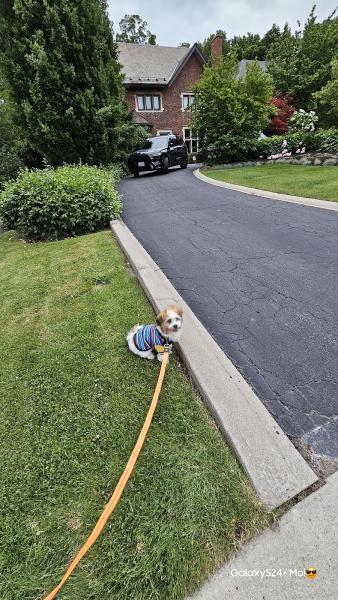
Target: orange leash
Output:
[(108, 509)]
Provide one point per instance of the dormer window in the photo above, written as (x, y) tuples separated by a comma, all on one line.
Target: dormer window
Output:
[(148, 102)]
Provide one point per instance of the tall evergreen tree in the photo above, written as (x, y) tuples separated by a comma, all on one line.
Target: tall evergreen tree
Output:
[(300, 63), (269, 39), (61, 63), (248, 46)]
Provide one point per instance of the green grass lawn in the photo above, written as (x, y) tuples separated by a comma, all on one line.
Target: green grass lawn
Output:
[(73, 400), (296, 180)]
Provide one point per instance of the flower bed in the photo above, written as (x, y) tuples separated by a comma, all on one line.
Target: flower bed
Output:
[(314, 158)]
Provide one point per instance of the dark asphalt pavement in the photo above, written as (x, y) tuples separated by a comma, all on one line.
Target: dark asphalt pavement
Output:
[(262, 276)]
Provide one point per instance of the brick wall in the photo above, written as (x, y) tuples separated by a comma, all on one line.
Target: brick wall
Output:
[(172, 117)]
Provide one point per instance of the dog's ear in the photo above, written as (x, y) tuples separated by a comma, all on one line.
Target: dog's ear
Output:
[(160, 318), (177, 310)]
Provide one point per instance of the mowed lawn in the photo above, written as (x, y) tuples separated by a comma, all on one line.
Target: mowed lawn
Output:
[(295, 180), (73, 400)]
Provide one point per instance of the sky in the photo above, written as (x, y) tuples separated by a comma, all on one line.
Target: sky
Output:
[(177, 21)]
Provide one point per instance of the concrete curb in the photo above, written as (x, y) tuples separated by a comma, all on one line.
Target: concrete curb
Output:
[(315, 203), (277, 471)]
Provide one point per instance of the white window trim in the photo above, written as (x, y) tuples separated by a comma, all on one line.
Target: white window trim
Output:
[(185, 94), (148, 94), (164, 131), (190, 140)]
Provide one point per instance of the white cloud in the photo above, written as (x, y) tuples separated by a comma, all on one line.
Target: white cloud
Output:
[(193, 20)]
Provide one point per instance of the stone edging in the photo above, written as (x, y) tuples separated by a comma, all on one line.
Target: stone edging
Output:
[(315, 159), (276, 470), (314, 202)]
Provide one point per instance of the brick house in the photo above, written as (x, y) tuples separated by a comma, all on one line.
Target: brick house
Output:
[(158, 81)]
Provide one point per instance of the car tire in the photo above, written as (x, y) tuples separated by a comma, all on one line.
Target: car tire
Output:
[(184, 164), (136, 173), (165, 165)]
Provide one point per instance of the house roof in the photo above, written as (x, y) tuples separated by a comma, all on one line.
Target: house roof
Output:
[(242, 66), (153, 65), (139, 119)]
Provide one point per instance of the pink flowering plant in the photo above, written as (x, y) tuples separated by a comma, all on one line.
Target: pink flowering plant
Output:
[(285, 152)]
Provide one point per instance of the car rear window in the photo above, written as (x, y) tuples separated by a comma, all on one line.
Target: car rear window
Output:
[(158, 142)]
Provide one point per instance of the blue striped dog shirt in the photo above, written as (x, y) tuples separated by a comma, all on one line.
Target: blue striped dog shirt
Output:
[(147, 337)]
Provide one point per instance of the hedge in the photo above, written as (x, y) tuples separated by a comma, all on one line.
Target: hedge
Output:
[(56, 203), (322, 140)]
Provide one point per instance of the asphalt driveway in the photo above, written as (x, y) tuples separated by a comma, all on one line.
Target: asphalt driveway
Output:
[(262, 276)]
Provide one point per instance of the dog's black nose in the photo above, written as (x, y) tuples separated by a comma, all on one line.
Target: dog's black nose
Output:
[(175, 327)]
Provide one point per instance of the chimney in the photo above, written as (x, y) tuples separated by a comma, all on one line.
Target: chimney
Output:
[(217, 47)]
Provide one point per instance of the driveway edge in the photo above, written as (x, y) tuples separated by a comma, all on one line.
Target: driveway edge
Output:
[(315, 203), (275, 468)]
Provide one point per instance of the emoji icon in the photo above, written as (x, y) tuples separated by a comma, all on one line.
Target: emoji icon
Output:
[(311, 573)]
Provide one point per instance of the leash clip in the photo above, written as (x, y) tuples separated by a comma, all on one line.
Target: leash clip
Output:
[(162, 349)]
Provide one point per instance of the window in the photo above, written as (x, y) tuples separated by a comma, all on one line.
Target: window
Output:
[(156, 143), (191, 139), (156, 102), (164, 132), (187, 101), (148, 102)]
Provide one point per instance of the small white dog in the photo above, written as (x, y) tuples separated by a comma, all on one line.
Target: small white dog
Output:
[(147, 341)]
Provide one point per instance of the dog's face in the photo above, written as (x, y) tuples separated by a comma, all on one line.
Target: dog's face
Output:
[(170, 320)]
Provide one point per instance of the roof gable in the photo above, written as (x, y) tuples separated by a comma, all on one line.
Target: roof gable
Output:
[(154, 65)]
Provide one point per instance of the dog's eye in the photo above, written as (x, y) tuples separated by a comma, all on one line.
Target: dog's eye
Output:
[(169, 321)]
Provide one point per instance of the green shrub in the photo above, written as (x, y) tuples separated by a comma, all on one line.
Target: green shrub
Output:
[(233, 149), (273, 144), (10, 163), (55, 203), (323, 140), (195, 157), (11, 143)]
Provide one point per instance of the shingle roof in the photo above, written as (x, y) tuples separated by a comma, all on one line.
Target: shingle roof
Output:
[(139, 119), (242, 66), (149, 65)]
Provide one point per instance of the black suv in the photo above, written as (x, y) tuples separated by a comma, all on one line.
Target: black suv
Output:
[(159, 154)]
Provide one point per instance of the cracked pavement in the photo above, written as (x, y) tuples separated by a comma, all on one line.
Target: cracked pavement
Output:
[(262, 276)]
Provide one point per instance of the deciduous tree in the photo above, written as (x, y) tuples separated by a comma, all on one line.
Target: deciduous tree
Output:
[(229, 112), (279, 122), (134, 29)]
